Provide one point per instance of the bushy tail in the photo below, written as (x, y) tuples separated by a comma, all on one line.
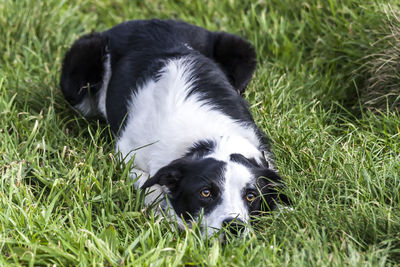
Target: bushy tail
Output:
[(83, 71)]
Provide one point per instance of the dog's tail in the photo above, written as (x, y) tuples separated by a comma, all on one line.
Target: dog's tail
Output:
[(85, 74)]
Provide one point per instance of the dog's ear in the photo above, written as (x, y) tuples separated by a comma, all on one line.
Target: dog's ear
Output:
[(168, 176), (271, 186), (236, 57)]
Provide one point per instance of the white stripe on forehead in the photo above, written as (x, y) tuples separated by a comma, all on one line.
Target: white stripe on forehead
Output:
[(237, 177), (233, 205)]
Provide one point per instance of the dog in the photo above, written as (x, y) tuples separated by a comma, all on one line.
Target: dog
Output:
[(172, 95)]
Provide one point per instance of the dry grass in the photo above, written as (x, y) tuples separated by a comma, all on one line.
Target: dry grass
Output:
[(382, 88)]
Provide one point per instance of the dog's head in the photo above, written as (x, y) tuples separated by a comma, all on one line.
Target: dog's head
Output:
[(225, 194)]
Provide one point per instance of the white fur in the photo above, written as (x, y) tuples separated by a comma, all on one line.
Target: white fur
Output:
[(233, 203), (103, 90), (227, 145), (164, 122), (86, 107)]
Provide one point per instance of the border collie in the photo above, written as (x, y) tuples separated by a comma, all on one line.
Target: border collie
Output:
[(172, 95)]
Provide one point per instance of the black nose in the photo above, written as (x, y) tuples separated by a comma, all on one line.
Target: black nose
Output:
[(234, 226)]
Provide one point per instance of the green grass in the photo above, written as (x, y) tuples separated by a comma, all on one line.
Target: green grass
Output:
[(66, 200)]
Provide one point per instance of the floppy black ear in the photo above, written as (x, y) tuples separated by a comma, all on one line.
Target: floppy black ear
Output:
[(236, 57), (271, 186), (168, 176)]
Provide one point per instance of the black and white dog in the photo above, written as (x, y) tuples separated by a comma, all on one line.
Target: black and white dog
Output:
[(171, 93)]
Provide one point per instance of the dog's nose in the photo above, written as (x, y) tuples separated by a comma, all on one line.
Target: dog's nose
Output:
[(234, 226)]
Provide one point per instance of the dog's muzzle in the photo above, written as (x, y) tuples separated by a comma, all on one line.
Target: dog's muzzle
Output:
[(234, 226)]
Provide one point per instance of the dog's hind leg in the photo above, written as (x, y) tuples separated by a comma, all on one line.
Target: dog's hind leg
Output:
[(85, 74), (236, 57)]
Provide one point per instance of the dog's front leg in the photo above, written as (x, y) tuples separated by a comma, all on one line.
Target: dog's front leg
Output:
[(153, 194)]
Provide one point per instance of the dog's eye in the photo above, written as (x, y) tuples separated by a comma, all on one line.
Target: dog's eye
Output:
[(205, 193), (250, 197)]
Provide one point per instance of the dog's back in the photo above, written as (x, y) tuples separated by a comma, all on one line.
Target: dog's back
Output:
[(137, 50)]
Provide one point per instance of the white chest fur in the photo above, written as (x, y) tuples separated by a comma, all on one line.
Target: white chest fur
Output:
[(163, 122)]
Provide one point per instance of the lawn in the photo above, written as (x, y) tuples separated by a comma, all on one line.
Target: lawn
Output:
[(326, 91)]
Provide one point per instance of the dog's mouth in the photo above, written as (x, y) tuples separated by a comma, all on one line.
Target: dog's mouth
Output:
[(230, 229), (234, 227)]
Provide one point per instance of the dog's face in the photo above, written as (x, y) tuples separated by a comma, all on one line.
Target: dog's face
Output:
[(222, 193)]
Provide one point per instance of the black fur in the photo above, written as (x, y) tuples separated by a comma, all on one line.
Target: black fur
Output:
[(269, 185), (148, 43), (82, 68), (201, 149), (185, 178), (223, 65)]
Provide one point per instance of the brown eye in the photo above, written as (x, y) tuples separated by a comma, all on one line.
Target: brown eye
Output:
[(250, 197), (205, 193)]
